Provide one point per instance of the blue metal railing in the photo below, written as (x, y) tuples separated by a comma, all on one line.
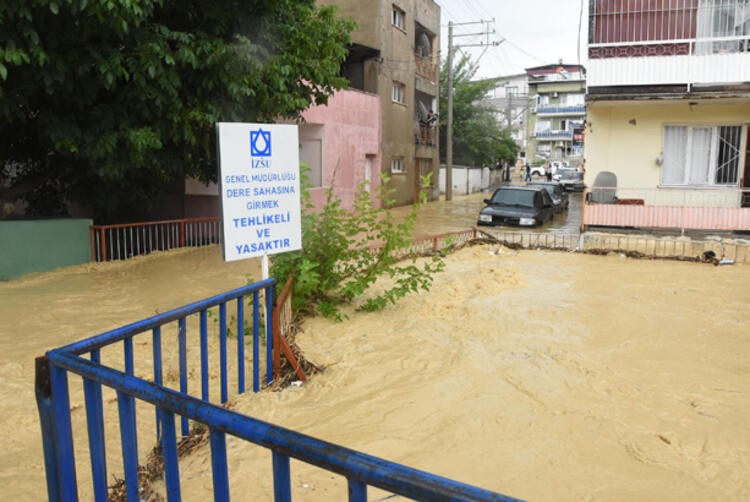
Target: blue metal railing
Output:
[(554, 135), (53, 400), (561, 110)]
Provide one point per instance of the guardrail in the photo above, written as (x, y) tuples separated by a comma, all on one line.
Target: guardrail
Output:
[(122, 241), (85, 359)]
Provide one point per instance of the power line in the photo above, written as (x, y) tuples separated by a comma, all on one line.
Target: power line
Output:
[(525, 52)]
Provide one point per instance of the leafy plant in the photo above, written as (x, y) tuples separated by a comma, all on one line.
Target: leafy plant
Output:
[(478, 137), (345, 251), (110, 103)]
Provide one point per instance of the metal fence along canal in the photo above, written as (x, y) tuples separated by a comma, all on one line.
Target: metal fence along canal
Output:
[(176, 407)]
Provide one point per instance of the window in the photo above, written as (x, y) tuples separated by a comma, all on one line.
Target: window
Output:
[(701, 155), (397, 165), (398, 18), (543, 126), (311, 153), (399, 92), (574, 100), (723, 19)]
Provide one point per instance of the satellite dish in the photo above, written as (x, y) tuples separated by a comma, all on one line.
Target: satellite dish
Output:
[(424, 48), (421, 111)]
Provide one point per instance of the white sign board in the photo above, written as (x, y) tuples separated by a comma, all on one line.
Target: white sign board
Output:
[(260, 189)]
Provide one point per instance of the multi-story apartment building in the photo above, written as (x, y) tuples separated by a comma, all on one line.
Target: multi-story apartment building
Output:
[(557, 111), (668, 112), (509, 99), (395, 55)]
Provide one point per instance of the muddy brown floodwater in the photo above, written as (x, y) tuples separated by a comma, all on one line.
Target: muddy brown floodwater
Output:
[(542, 375)]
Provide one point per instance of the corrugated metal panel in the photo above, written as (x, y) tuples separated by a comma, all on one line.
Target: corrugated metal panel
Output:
[(695, 218)]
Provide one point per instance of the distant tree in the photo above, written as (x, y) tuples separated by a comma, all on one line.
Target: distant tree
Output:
[(478, 137), (107, 102)]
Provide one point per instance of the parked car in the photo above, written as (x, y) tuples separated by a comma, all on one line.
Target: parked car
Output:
[(559, 164), (556, 192), (523, 206), (538, 171), (570, 179)]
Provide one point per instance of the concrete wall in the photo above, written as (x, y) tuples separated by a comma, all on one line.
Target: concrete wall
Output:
[(467, 179), (41, 245), (350, 130), (627, 138)]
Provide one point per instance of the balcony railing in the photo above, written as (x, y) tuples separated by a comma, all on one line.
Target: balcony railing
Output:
[(554, 135), (561, 110), (426, 68), (425, 135), (668, 42)]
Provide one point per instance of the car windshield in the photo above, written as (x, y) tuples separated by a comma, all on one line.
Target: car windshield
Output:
[(570, 175), (521, 198)]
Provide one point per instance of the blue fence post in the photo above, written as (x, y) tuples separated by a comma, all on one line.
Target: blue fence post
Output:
[(204, 354), (64, 434), (129, 441), (43, 390), (241, 344), (95, 423), (169, 451), (182, 342), (357, 490), (282, 486), (156, 339), (269, 333), (223, 352), (219, 465), (256, 342)]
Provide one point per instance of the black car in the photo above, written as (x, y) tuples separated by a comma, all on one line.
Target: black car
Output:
[(524, 206), (556, 192)]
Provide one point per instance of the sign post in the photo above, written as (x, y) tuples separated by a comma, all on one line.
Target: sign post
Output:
[(260, 190)]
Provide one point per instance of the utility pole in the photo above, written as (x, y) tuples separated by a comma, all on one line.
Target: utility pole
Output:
[(449, 131), (449, 127)]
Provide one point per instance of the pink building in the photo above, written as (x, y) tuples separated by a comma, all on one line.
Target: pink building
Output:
[(340, 144)]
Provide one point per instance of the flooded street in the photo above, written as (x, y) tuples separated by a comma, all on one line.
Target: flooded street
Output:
[(542, 375), (461, 213)]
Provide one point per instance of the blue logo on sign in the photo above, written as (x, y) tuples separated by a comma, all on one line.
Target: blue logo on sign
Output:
[(260, 143)]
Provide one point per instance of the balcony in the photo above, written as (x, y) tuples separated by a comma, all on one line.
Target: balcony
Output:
[(664, 66), (551, 135), (676, 43), (550, 110), (426, 68), (425, 135)]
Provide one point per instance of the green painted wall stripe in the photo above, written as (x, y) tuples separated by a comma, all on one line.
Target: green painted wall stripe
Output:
[(40, 245)]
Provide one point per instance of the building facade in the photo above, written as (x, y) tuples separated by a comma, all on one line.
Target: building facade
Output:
[(395, 55), (557, 111), (668, 113), (509, 99)]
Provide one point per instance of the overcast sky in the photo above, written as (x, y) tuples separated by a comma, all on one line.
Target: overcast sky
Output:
[(535, 32)]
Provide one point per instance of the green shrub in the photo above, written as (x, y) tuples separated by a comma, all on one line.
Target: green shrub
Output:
[(346, 251)]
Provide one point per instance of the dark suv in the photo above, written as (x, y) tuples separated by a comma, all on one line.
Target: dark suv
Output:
[(556, 192), (524, 206)]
